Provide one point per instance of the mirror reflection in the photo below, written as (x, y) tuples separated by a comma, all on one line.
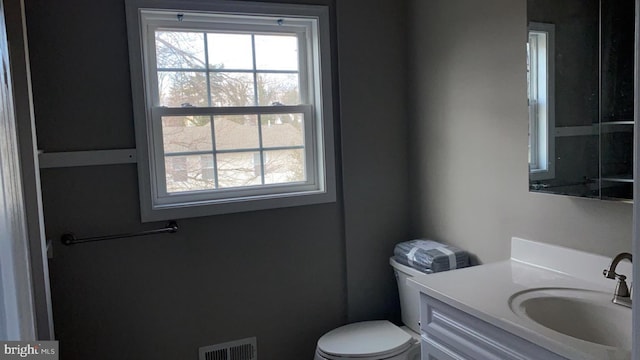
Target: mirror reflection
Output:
[(580, 66)]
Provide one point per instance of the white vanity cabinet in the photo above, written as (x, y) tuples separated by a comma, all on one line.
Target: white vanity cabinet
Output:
[(451, 334), (523, 308)]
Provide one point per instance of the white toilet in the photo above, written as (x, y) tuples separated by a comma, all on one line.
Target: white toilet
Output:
[(379, 340)]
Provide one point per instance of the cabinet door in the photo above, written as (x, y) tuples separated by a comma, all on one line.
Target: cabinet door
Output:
[(451, 334), (432, 350)]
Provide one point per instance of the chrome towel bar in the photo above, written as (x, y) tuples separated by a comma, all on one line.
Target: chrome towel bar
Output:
[(70, 238)]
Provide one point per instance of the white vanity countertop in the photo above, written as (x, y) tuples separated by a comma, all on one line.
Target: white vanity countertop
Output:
[(485, 291)]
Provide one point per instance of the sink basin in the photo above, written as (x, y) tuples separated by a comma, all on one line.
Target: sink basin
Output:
[(581, 314)]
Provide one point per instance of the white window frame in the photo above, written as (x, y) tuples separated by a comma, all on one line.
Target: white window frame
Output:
[(541, 82), (312, 22)]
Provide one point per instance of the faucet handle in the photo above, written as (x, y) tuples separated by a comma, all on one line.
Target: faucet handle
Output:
[(610, 274)]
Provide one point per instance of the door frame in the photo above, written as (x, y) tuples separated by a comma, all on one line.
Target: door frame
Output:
[(34, 269), (636, 187)]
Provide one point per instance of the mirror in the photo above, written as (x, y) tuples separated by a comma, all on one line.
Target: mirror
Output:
[(580, 71)]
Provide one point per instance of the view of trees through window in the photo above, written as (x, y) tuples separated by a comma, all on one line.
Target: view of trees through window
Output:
[(230, 70)]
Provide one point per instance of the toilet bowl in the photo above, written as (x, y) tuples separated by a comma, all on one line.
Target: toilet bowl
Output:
[(379, 339), (369, 340)]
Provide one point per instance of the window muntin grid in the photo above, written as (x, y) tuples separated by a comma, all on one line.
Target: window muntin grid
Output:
[(192, 59), (255, 136)]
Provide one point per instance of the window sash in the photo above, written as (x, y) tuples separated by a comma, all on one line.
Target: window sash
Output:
[(541, 101), (233, 24), (534, 128), (259, 25), (537, 50), (312, 174)]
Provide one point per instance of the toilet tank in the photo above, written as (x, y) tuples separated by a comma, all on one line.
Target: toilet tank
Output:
[(409, 297)]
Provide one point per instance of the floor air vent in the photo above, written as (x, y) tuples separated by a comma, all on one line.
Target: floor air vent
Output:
[(244, 349)]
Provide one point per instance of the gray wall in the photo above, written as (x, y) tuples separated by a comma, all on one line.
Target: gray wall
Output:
[(372, 49), (469, 136), (280, 275)]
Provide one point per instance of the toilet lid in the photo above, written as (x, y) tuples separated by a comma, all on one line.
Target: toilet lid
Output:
[(365, 339)]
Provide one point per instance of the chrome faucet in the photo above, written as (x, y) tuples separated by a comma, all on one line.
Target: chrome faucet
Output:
[(621, 295)]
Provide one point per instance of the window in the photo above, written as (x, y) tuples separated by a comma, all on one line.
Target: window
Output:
[(540, 77), (232, 105)]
